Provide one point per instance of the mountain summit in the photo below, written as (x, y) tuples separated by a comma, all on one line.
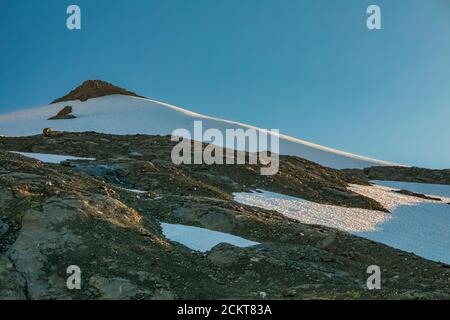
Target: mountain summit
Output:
[(94, 89)]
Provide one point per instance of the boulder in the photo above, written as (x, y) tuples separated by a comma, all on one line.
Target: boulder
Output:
[(64, 114)]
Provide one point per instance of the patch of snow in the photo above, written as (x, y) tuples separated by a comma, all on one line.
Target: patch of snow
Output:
[(201, 239), (422, 229), (126, 115), (440, 190), (134, 190), (414, 224), (347, 219), (135, 154), (50, 158), (388, 199), (418, 225)]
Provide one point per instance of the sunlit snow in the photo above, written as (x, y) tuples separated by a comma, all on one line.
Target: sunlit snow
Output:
[(347, 219), (118, 114)]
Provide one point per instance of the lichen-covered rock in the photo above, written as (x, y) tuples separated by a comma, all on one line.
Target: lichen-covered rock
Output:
[(12, 284), (116, 288)]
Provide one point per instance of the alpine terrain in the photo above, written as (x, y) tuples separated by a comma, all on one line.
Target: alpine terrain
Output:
[(88, 181)]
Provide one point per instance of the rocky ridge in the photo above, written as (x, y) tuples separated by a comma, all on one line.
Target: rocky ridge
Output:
[(407, 174), (94, 89)]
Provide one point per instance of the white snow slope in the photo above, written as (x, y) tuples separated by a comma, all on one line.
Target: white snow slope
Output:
[(201, 239), (414, 224), (119, 114)]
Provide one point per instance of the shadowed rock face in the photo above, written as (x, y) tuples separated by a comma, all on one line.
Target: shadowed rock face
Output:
[(65, 113), (94, 89)]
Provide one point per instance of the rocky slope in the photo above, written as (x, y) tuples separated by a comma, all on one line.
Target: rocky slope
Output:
[(144, 162), (77, 213)]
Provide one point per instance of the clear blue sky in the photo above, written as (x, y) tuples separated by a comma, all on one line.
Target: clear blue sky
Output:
[(310, 68)]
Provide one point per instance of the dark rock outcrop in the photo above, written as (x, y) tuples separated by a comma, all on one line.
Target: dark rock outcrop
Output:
[(94, 89), (417, 195), (64, 114)]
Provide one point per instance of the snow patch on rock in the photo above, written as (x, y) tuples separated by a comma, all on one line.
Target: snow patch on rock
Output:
[(201, 239), (414, 225), (50, 158), (347, 219)]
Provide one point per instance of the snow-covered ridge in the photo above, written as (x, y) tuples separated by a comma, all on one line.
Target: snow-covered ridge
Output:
[(119, 114)]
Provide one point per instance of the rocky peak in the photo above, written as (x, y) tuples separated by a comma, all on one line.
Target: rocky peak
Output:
[(94, 89)]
